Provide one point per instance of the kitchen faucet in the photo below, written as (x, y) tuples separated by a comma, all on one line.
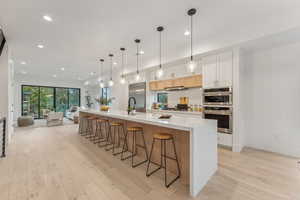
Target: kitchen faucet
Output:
[(129, 104)]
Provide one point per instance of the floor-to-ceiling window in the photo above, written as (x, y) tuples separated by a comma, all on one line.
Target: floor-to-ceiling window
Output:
[(61, 100), (46, 101), (30, 101), (38, 100)]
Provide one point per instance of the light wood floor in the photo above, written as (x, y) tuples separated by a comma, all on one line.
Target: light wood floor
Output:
[(58, 164)]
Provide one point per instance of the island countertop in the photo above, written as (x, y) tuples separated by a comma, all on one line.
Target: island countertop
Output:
[(201, 154), (176, 121)]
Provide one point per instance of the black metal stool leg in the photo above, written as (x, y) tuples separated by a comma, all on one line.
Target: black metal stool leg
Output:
[(125, 149), (84, 127), (98, 133), (91, 126), (104, 136), (149, 161), (178, 168), (144, 147), (119, 140), (108, 143)]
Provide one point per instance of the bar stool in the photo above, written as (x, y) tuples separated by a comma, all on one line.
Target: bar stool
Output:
[(83, 128), (99, 136), (114, 133), (90, 126), (135, 131), (163, 137), (104, 123)]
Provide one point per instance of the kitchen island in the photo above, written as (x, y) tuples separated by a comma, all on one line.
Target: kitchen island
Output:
[(195, 139)]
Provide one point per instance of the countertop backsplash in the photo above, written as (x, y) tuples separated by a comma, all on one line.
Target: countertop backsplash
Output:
[(194, 95)]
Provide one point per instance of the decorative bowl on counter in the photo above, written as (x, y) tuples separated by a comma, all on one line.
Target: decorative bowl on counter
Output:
[(104, 108)]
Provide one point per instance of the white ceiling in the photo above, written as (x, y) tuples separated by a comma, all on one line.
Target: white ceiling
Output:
[(84, 31)]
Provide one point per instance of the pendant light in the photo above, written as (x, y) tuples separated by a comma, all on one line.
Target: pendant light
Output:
[(192, 64), (110, 82), (160, 70), (122, 80), (101, 84), (137, 41)]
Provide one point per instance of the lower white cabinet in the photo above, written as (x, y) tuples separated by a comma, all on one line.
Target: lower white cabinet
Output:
[(225, 139)]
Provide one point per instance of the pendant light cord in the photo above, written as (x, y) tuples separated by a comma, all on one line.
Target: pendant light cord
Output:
[(191, 38), (122, 64), (101, 69), (160, 49), (137, 58), (111, 68), (101, 66)]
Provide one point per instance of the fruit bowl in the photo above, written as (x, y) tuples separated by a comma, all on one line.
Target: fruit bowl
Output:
[(104, 108)]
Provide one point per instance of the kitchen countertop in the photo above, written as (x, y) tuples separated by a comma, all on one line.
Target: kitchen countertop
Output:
[(202, 141), (177, 112), (176, 121)]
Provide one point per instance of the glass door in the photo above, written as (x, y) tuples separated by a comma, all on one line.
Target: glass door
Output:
[(46, 101), (38, 101), (30, 101), (74, 97), (61, 100)]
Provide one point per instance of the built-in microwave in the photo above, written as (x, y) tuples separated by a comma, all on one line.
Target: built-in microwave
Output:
[(217, 96)]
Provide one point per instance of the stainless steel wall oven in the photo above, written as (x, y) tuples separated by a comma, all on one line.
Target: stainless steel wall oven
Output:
[(222, 114), (217, 104)]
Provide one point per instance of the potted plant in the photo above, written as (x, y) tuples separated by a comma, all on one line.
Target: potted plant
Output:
[(104, 103)]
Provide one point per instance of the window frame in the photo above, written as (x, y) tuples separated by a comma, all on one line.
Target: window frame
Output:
[(158, 97), (54, 97)]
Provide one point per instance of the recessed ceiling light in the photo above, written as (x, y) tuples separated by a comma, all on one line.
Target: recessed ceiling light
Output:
[(40, 46), (114, 63), (47, 18), (54, 75), (86, 83), (92, 73), (62, 69), (23, 63), (187, 32), (142, 52)]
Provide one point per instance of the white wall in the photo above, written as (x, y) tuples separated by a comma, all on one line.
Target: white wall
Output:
[(20, 80), (5, 86), (4, 77), (271, 99)]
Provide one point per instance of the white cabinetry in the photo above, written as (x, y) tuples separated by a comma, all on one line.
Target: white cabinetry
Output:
[(225, 139), (217, 70), (209, 71)]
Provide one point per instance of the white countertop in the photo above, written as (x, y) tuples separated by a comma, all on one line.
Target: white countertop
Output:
[(198, 114), (176, 121)]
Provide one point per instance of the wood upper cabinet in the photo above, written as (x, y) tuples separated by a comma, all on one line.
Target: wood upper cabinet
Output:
[(153, 85), (188, 82), (193, 81), (179, 82)]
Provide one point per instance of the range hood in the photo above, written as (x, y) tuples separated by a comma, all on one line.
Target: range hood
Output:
[(176, 88)]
